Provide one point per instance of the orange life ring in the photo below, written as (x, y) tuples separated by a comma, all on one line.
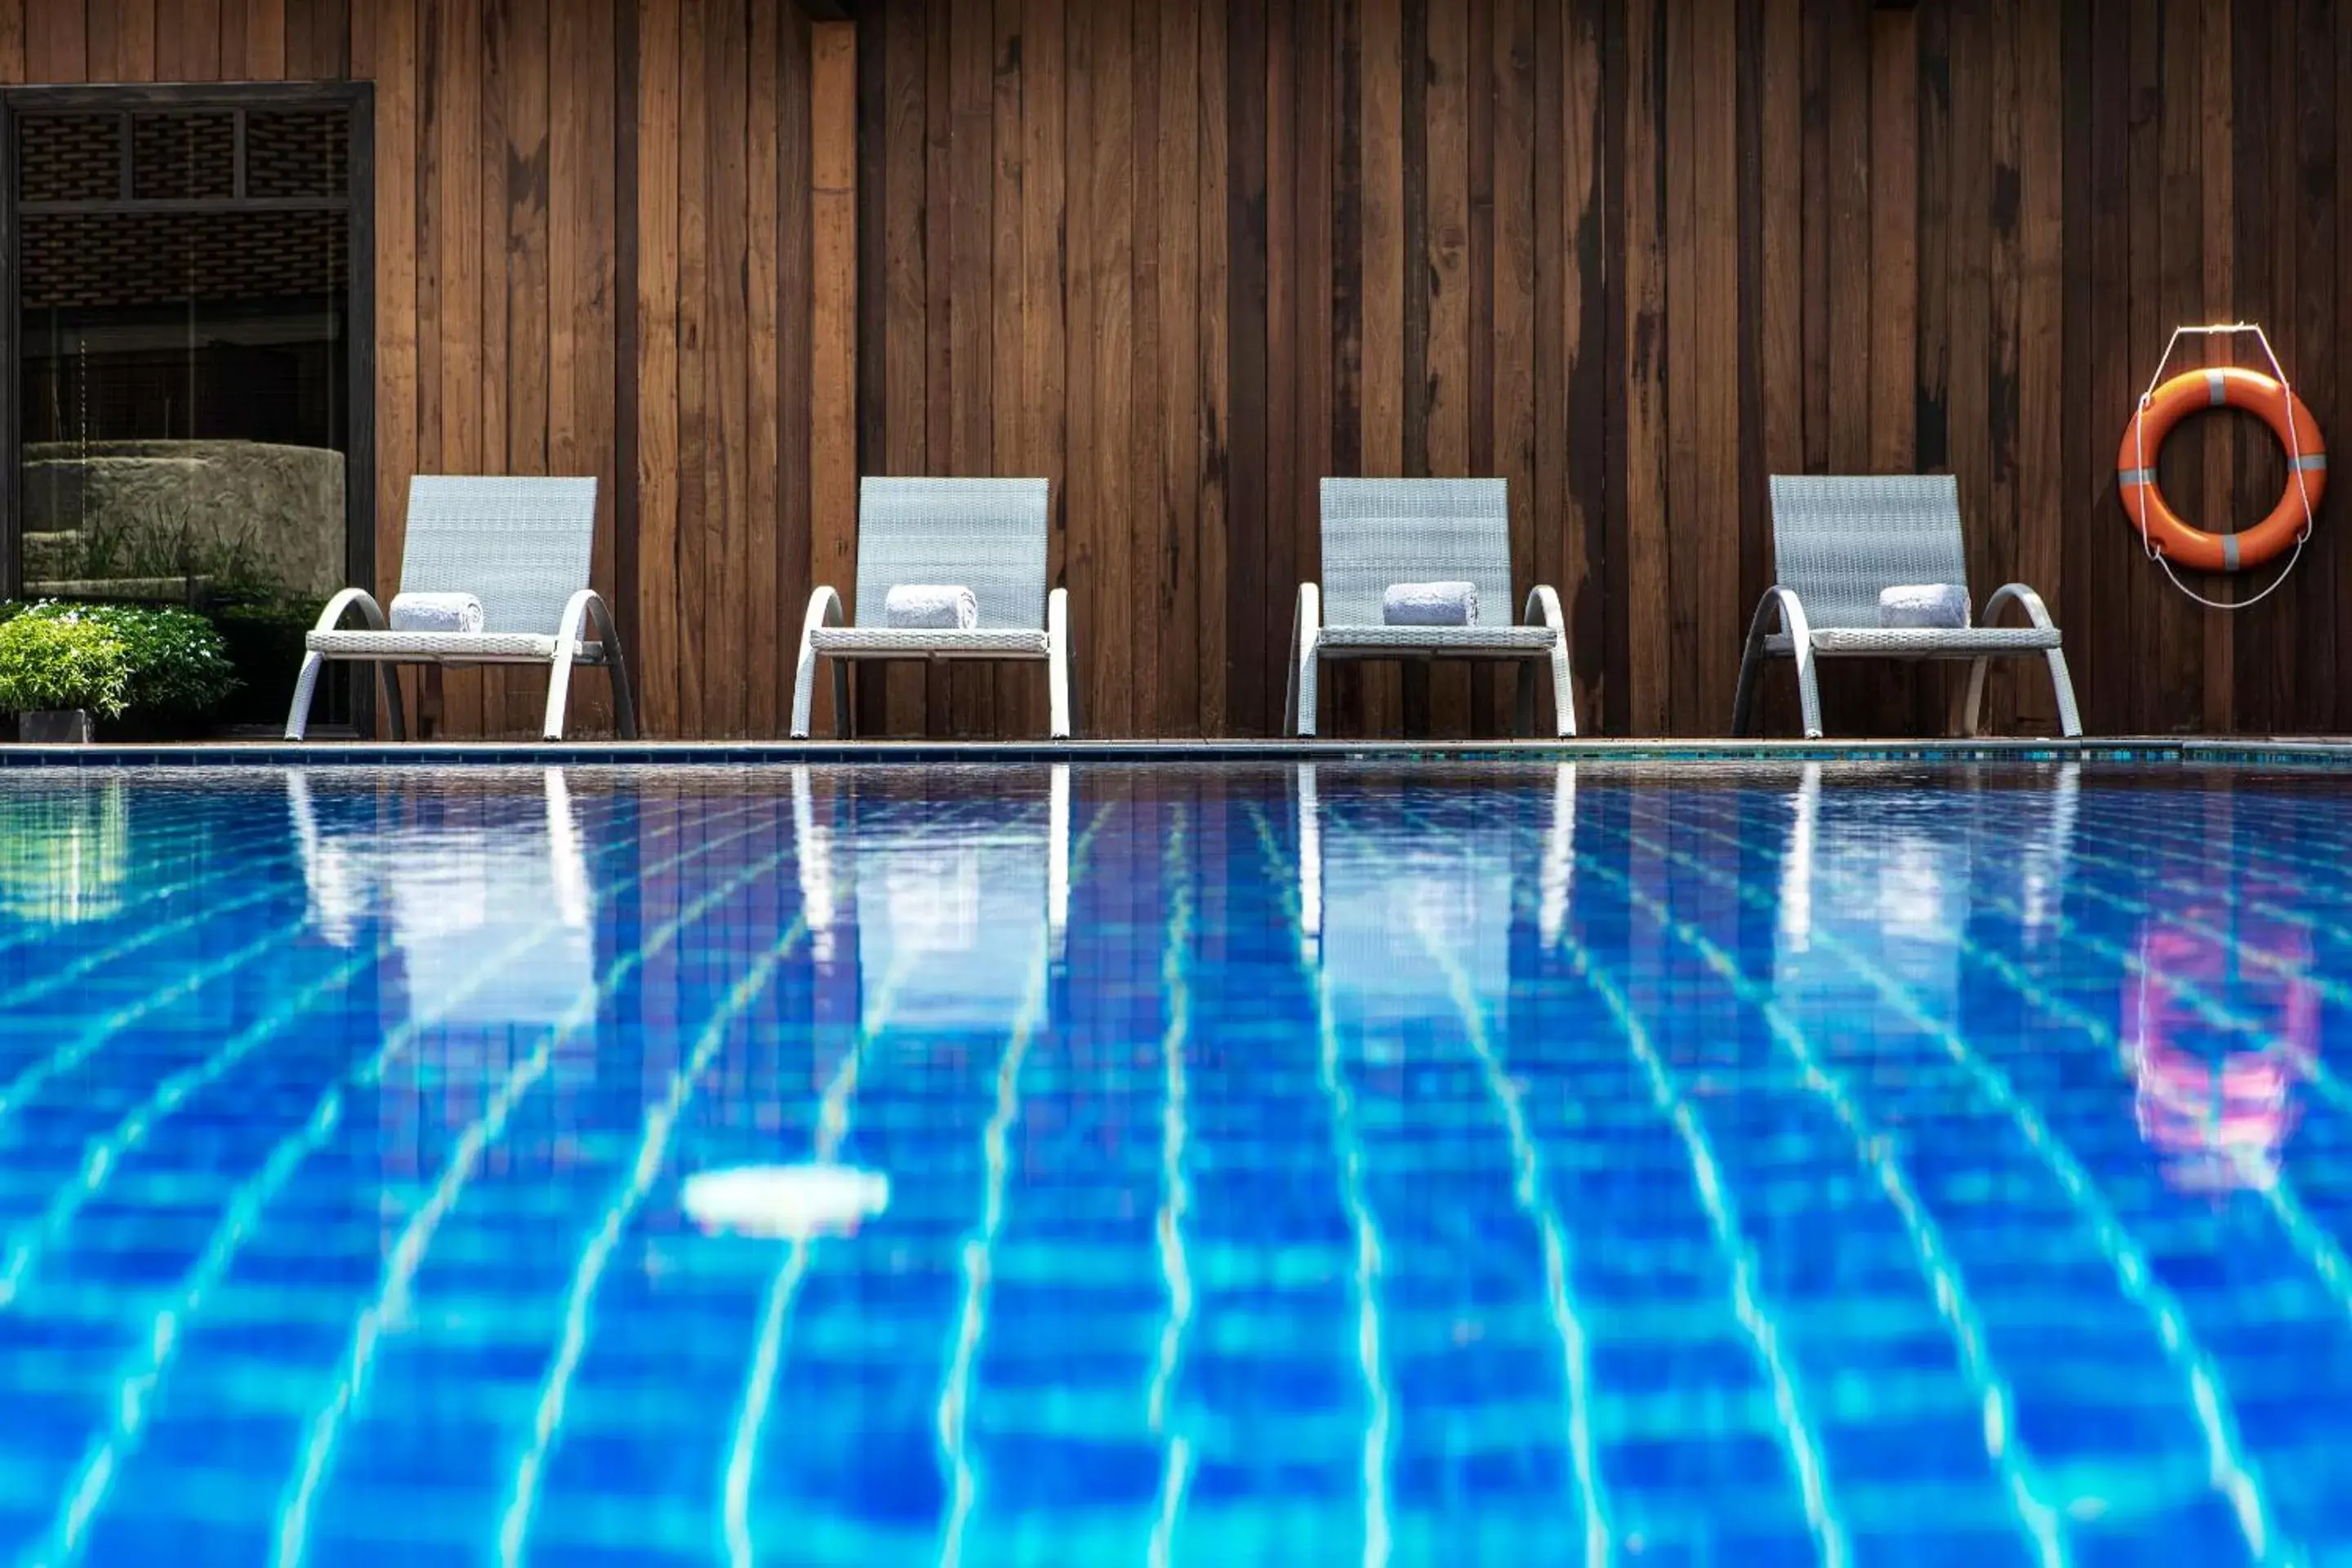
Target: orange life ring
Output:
[(2216, 387)]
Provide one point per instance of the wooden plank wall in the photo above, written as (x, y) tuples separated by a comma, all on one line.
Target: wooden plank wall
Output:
[(1632, 255), (1185, 256), (595, 229)]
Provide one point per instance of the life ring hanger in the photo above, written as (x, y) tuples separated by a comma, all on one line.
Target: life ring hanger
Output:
[(2164, 536)]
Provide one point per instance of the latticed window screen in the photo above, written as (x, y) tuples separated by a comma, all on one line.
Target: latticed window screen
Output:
[(263, 156)]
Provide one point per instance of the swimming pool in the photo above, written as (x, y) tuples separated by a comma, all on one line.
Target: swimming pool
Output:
[(1286, 1164)]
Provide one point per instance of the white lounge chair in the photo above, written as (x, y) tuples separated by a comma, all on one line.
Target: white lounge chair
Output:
[(987, 535), (519, 545), (1839, 541), (1378, 533)]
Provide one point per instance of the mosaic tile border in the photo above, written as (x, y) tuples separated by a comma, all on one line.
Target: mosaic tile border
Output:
[(2154, 751)]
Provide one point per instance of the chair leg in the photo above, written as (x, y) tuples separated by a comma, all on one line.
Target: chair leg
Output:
[(306, 687), (1972, 705), (804, 689), (558, 695), (2069, 718), (1291, 686), (387, 677), (1309, 671), (1809, 693), (1743, 696), (1057, 692)]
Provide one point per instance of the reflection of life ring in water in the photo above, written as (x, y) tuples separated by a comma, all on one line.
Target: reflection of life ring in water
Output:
[(2215, 1104)]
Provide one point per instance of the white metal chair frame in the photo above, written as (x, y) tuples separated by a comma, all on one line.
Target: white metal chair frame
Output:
[(1377, 532), (1838, 542), (985, 534), (516, 543)]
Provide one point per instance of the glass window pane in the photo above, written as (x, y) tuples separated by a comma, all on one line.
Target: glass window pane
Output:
[(184, 397)]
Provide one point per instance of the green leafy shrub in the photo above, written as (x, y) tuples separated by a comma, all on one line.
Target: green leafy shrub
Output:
[(61, 661), (178, 663)]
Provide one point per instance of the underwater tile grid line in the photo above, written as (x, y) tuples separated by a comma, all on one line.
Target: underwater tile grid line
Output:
[(1287, 1162)]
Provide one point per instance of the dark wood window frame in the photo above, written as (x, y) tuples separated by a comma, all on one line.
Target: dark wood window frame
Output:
[(357, 100)]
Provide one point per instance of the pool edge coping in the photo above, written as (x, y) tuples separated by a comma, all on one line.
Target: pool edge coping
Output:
[(2149, 750)]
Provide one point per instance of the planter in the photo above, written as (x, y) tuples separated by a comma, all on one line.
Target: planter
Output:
[(58, 727)]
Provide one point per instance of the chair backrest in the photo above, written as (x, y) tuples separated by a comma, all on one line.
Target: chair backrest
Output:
[(1377, 532), (1840, 540), (519, 545), (987, 535)]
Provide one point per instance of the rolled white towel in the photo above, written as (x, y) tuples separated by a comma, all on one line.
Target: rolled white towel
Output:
[(1430, 605), (1943, 607), (923, 606), (436, 613)]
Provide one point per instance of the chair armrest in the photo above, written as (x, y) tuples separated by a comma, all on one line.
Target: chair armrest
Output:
[(1310, 614), (1543, 609), (2036, 612), (584, 606), (341, 604), (824, 610), (1792, 614)]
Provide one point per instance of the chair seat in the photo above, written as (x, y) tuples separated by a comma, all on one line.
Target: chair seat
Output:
[(895, 642), (456, 648), (1919, 642), (1494, 641)]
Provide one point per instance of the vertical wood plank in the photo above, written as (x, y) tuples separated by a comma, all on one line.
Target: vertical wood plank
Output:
[(1966, 263), (2216, 156), (696, 508), (1684, 522), (1514, 328), (2042, 485), (12, 41), (726, 367), (1585, 289), (905, 308), (389, 58), (253, 40), (767, 698), (452, 187), (2311, 358), (1445, 259), (582, 100), (1217, 370), (1016, 691), (2004, 290), (659, 665), (1893, 246), (1110, 531), (494, 360), (971, 214), (929, 684), (1144, 530), (1044, 286), (522, 28), (2172, 665), (1176, 642), (1849, 75), (1382, 247), (56, 41), (1713, 607), (833, 331), (1642, 522)]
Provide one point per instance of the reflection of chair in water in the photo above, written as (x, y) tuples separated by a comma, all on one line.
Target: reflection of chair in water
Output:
[(489, 908), (951, 913), (1892, 872), (1393, 910)]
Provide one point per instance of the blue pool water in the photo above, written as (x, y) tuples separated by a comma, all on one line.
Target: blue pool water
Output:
[(1354, 1165)]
